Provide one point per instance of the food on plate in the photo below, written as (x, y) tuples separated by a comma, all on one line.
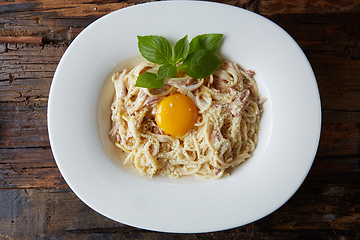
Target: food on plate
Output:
[(185, 121)]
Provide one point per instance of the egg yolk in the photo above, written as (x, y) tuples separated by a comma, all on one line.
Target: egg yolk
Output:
[(176, 114)]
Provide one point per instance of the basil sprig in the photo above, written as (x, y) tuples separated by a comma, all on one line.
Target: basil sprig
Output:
[(197, 58)]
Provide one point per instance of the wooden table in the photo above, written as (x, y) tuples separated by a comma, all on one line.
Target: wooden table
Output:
[(35, 201)]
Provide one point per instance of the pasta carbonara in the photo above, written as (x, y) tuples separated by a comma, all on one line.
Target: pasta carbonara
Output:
[(224, 135)]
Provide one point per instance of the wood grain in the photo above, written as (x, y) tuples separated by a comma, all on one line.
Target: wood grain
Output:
[(22, 39), (35, 201)]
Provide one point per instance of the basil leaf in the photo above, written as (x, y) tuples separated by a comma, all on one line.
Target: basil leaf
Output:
[(149, 80), (181, 50), (155, 49), (200, 64), (167, 71), (210, 42)]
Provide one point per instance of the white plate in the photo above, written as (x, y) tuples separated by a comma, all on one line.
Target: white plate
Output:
[(288, 140)]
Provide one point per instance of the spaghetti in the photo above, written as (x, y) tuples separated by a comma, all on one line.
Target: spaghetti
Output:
[(224, 135)]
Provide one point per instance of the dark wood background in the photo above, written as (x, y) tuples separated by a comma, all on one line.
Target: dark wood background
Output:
[(36, 203)]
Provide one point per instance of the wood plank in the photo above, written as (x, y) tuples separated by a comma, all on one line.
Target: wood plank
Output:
[(23, 124), (308, 6), (38, 213), (335, 76), (59, 21), (338, 32), (56, 21), (86, 8), (25, 79), (22, 39), (332, 211), (62, 9), (29, 168), (339, 139), (330, 116), (335, 171)]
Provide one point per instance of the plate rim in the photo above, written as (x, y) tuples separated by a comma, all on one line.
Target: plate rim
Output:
[(50, 113)]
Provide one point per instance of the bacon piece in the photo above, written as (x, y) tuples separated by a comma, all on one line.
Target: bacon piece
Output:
[(261, 101), (139, 101), (216, 171), (250, 72), (231, 64), (144, 69), (240, 103), (217, 138), (114, 131), (219, 86), (149, 101), (188, 85), (120, 85), (188, 82), (214, 136)]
